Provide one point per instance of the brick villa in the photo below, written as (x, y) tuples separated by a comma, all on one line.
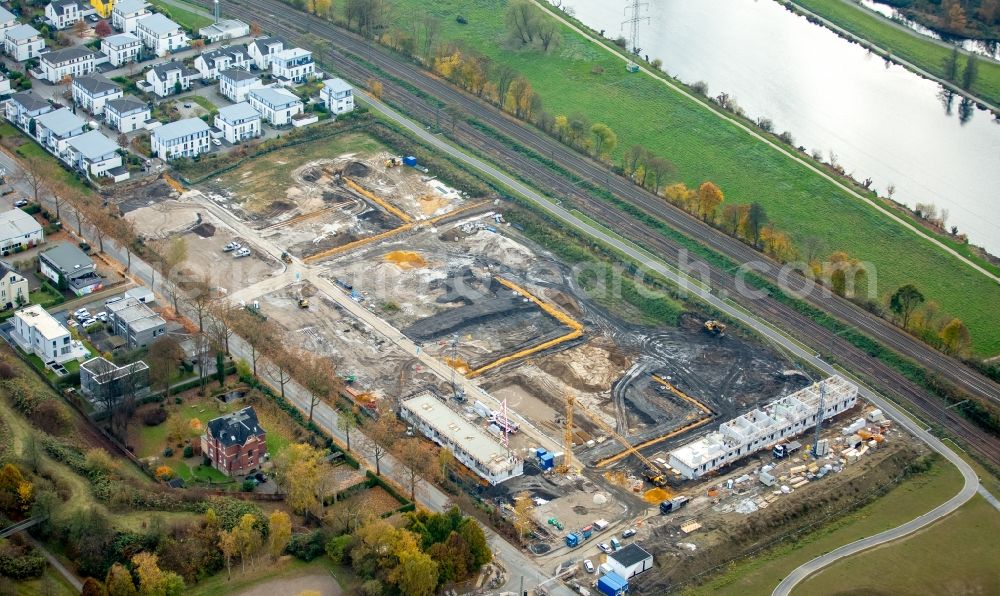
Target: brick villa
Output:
[(234, 443)]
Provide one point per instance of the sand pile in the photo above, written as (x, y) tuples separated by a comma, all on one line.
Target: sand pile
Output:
[(406, 259)]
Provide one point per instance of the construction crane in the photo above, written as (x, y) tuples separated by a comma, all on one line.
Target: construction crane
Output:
[(651, 472), (567, 437)]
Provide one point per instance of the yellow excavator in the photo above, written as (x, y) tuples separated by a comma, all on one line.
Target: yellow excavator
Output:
[(715, 327)]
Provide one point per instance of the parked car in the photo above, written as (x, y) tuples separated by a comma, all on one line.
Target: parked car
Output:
[(103, 317), (605, 548), (187, 104), (93, 18), (81, 313), (87, 322), (242, 252), (21, 203), (71, 323), (628, 533), (232, 246), (588, 565), (217, 142)]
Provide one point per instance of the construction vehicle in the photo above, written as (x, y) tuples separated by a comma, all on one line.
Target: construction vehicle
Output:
[(715, 327), (303, 303), (783, 450), (393, 161), (651, 472), (286, 257), (673, 504)]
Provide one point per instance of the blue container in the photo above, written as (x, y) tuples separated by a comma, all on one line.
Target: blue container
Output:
[(409, 160), (612, 584), (547, 461)]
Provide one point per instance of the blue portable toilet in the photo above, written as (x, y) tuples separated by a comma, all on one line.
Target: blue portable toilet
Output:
[(547, 461), (612, 584), (409, 160)]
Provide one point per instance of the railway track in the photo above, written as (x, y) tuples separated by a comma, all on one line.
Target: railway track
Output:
[(292, 25)]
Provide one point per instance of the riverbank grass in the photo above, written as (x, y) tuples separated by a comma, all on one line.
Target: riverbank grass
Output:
[(642, 110)]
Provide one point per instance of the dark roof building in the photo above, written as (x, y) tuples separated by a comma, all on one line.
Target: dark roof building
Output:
[(235, 443)]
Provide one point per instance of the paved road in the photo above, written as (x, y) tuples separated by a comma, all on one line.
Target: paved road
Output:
[(66, 573)]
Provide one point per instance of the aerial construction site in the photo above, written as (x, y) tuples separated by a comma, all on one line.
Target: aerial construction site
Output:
[(568, 415)]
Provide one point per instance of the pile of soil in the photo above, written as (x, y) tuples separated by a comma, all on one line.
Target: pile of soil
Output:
[(356, 169), (587, 368), (204, 229)]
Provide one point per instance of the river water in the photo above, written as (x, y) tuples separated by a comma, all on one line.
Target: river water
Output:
[(983, 47), (880, 120)]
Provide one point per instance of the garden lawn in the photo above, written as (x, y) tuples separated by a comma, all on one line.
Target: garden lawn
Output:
[(152, 440), (913, 497), (908, 45), (642, 110), (183, 17), (957, 555)]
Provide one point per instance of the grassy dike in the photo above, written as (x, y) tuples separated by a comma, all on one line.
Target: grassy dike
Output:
[(908, 45), (704, 147)]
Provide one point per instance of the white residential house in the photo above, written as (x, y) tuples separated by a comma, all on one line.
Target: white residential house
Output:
[(18, 229), (127, 13), (126, 114), (122, 48), (7, 20), (163, 78), (70, 62), (160, 35), (37, 332), (337, 95), (294, 64), (4, 85), (13, 287), (95, 155), (183, 138), (23, 42), (62, 14), (261, 50), (24, 107), (93, 92), (275, 105), (238, 122), (237, 83), (54, 129), (224, 29), (210, 64)]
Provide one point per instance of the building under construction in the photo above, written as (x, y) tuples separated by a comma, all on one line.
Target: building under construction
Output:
[(785, 417), (474, 447)]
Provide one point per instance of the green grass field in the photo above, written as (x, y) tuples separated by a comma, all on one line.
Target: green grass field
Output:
[(760, 574), (642, 110), (957, 555), (185, 18), (910, 46)]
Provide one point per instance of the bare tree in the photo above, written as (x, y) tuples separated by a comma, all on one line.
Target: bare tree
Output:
[(203, 356), (347, 420), (318, 376), (380, 436), (419, 460), (175, 255), (504, 76), (37, 172), (259, 334), (280, 366), (221, 313), (163, 358), (200, 298)]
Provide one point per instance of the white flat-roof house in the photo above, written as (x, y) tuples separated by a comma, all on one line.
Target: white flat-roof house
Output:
[(25, 106), (7, 20), (127, 13), (160, 35), (93, 92), (294, 64), (238, 122), (13, 287), (183, 138), (782, 418), (236, 84), (122, 48), (23, 42), (275, 105), (95, 155), (210, 64), (69, 62), (164, 78), (62, 14), (474, 447), (53, 129), (37, 332), (338, 96), (262, 49), (126, 114), (18, 229), (4, 85), (224, 29)]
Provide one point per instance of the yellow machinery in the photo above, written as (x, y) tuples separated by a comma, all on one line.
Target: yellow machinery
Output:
[(393, 162), (303, 303), (715, 327), (651, 471)]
